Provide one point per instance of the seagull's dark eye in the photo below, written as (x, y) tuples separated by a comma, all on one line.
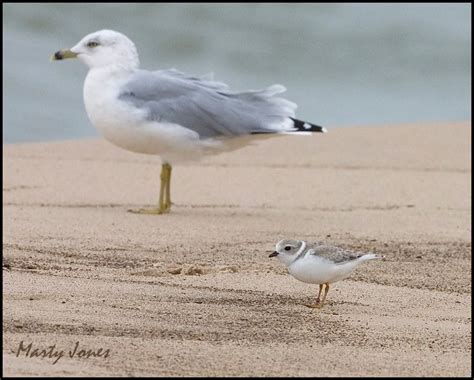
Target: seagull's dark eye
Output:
[(92, 44), (287, 248)]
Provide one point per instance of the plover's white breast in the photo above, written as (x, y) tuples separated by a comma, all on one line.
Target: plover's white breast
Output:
[(314, 269)]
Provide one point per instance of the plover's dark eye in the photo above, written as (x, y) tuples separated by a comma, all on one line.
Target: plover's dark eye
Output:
[(92, 44), (287, 248)]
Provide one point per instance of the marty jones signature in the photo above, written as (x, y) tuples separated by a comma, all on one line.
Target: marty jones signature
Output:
[(51, 352)]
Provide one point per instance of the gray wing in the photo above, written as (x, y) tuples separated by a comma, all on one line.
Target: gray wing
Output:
[(334, 254), (206, 106)]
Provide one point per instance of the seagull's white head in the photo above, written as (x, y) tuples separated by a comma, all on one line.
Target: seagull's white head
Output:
[(287, 250), (103, 48)]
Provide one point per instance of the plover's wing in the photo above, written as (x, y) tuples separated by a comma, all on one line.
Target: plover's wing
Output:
[(207, 107), (334, 254)]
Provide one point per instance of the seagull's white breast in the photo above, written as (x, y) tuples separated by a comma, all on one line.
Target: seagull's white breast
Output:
[(105, 111), (127, 126)]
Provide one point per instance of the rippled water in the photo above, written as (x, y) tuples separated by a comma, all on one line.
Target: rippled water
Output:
[(344, 64)]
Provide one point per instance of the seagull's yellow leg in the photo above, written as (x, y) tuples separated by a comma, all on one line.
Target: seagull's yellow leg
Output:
[(167, 202), (164, 202), (318, 304)]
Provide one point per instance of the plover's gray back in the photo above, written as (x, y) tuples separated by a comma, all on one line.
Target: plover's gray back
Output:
[(334, 254)]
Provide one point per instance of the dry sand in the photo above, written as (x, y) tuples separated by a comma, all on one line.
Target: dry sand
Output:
[(194, 292)]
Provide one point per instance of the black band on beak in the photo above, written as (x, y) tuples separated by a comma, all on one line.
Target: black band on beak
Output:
[(58, 55), (63, 54), (273, 254)]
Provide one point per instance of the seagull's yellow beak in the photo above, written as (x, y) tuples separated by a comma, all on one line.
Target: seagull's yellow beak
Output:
[(63, 54)]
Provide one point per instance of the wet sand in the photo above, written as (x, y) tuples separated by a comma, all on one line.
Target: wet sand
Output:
[(194, 292)]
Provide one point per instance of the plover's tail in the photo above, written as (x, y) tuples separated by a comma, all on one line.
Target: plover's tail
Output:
[(370, 256)]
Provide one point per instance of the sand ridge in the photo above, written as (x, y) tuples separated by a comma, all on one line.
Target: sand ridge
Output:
[(194, 292)]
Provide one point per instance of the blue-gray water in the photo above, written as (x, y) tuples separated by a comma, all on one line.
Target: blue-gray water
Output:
[(343, 64)]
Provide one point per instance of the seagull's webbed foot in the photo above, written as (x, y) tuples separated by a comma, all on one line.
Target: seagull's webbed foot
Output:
[(151, 211), (164, 202)]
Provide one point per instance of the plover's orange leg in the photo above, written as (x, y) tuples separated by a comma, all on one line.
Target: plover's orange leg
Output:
[(326, 290), (318, 299), (318, 303)]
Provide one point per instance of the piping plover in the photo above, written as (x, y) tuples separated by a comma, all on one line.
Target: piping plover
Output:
[(319, 263), (177, 116)]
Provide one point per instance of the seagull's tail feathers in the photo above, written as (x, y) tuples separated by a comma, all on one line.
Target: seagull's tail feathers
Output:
[(304, 126), (297, 127), (275, 114)]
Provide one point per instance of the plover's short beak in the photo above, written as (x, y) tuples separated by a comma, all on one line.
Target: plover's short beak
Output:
[(273, 254)]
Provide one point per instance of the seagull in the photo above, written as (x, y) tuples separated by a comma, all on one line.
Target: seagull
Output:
[(177, 116), (319, 263)]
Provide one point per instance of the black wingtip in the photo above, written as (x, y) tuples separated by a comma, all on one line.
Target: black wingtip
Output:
[(304, 126)]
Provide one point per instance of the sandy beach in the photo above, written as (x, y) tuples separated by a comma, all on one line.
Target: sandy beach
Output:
[(195, 293)]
